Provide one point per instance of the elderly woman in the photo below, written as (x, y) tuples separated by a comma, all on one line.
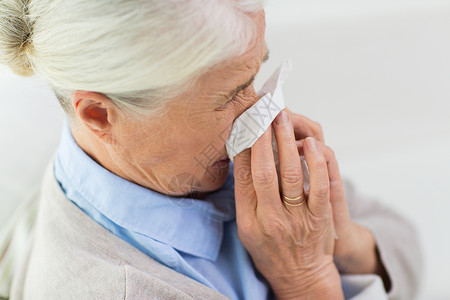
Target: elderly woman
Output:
[(141, 200)]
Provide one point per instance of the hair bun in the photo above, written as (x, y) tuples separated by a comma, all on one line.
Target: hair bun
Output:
[(15, 36)]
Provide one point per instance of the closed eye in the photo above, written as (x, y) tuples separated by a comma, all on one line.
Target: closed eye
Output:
[(228, 101), (240, 89), (245, 85)]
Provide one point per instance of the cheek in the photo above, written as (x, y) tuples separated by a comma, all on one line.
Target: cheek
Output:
[(198, 141), (205, 145), (148, 141), (203, 124), (188, 141)]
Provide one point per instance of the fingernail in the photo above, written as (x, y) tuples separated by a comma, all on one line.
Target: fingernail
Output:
[(282, 118), (311, 143)]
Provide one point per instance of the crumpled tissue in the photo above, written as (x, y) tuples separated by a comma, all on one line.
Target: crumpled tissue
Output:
[(252, 123)]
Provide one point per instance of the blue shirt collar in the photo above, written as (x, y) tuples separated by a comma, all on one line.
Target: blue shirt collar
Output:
[(188, 225)]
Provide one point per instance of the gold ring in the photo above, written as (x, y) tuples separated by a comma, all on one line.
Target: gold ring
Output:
[(302, 196), (298, 204), (294, 199)]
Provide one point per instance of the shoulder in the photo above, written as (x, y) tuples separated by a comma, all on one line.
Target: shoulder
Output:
[(73, 257)]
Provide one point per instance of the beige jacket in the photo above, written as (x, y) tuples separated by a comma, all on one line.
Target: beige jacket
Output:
[(72, 257)]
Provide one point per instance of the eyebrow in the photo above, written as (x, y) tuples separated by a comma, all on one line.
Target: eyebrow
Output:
[(248, 83)]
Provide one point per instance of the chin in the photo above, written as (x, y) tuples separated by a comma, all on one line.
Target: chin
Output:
[(188, 185), (214, 179)]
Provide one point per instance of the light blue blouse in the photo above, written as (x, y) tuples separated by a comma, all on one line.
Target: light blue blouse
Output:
[(197, 238)]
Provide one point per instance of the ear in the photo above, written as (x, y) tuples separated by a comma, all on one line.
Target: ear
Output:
[(96, 112)]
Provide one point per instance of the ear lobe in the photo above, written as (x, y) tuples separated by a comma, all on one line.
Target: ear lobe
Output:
[(94, 111)]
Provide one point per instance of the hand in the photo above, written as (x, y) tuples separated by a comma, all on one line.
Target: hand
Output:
[(291, 246), (355, 250)]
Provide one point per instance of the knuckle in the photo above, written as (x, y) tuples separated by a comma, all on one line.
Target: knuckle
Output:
[(288, 140), (336, 185), (243, 176), (319, 163), (320, 191), (264, 177), (291, 175)]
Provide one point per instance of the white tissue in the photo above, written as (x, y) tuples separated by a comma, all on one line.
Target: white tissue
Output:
[(252, 123)]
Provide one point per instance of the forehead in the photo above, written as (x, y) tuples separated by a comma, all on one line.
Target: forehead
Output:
[(236, 71)]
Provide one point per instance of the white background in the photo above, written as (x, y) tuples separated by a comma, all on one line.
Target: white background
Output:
[(374, 73)]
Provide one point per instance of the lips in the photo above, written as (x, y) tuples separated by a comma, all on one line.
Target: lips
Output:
[(222, 163), (223, 157)]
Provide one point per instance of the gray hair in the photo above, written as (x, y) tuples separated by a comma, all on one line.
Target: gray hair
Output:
[(139, 53)]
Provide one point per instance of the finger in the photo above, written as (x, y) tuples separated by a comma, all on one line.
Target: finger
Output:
[(264, 174), (245, 196), (336, 186), (319, 192), (341, 214), (291, 176), (305, 127)]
